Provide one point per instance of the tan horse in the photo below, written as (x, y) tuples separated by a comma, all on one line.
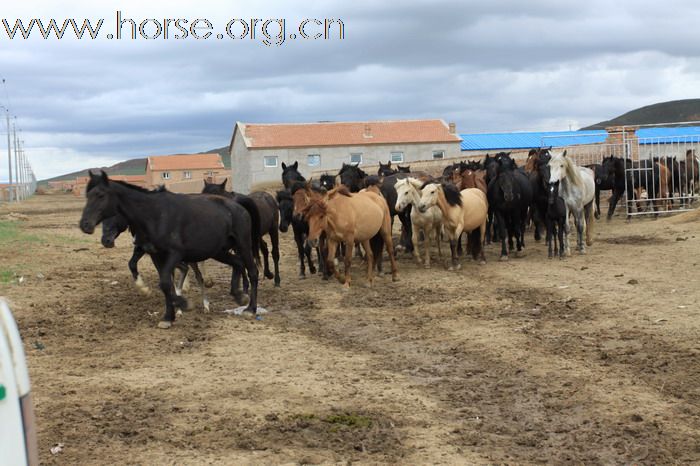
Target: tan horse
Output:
[(350, 218), (464, 211)]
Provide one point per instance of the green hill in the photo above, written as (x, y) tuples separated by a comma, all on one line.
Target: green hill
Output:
[(664, 112)]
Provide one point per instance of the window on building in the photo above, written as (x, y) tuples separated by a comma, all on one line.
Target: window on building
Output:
[(187, 175), (438, 154), (397, 157), (210, 174), (313, 160), (270, 161), (165, 175), (356, 158)]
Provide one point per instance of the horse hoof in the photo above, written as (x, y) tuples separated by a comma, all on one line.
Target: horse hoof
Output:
[(302, 276), (208, 282), (178, 313), (313, 271), (206, 307), (426, 266), (458, 267), (504, 258), (346, 286), (269, 275), (482, 262), (589, 243), (165, 324), (277, 284), (394, 278)]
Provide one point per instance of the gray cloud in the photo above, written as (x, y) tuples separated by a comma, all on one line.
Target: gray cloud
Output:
[(489, 66)]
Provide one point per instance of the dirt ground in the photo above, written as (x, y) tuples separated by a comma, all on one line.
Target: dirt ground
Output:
[(591, 360)]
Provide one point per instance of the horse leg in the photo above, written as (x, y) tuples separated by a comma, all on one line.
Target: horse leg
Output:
[(498, 217), (389, 245), (200, 279), (309, 260), (415, 239), (597, 201), (243, 264), (275, 239), (133, 267), (455, 258), (482, 235), (561, 234), (179, 283), (613, 203), (208, 281), (348, 260), (428, 234), (301, 246), (165, 266), (330, 260), (437, 231), (370, 261), (589, 224), (550, 232), (266, 260), (578, 221)]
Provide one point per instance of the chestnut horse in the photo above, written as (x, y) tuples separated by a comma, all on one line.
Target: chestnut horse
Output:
[(461, 211), (350, 218), (467, 178)]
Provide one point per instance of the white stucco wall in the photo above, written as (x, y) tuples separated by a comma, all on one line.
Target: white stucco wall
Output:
[(332, 159)]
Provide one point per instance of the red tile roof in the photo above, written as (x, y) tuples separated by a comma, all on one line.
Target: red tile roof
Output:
[(259, 136), (185, 162)]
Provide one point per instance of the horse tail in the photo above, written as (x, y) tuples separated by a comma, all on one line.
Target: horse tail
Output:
[(249, 205)]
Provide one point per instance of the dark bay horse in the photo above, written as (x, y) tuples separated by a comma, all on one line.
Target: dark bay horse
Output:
[(299, 227), (555, 219), (268, 211), (386, 170), (510, 196), (179, 228)]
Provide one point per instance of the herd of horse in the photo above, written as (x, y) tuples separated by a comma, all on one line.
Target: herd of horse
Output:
[(485, 201)]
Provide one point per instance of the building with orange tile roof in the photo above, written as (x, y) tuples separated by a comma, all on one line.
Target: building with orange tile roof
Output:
[(258, 150), (176, 170)]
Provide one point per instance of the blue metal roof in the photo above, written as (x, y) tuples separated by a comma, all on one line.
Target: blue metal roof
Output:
[(529, 140), (491, 141)]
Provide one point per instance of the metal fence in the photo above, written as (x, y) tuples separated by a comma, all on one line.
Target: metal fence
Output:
[(661, 171)]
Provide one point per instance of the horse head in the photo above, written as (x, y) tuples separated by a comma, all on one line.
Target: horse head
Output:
[(406, 169), (290, 174), (99, 202), (385, 170), (557, 167), (552, 192), (316, 215), (112, 227), (352, 176), (429, 196), (327, 182)]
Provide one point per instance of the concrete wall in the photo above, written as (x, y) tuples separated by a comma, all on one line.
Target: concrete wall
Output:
[(248, 165)]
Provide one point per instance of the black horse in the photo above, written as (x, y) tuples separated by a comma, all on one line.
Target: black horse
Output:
[(406, 169), (539, 181), (268, 211), (510, 195), (299, 227), (555, 218), (611, 175), (177, 228), (327, 182), (290, 174)]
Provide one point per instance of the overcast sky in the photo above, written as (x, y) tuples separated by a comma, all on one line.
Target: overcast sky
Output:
[(488, 66)]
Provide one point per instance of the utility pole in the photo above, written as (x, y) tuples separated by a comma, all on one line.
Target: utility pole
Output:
[(17, 181), (9, 156)]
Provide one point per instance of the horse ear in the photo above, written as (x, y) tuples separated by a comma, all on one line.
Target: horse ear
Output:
[(104, 177), (388, 164), (284, 166), (223, 185), (296, 164), (564, 154)]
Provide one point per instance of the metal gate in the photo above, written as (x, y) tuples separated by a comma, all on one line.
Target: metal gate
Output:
[(661, 168)]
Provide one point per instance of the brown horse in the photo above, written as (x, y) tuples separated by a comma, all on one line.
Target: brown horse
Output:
[(468, 179), (350, 218)]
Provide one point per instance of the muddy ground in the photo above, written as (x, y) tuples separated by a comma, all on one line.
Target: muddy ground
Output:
[(591, 360)]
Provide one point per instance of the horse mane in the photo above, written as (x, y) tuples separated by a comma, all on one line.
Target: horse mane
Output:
[(315, 207), (93, 183), (572, 171), (452, 194)]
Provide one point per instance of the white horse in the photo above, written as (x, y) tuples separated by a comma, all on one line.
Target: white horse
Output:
[(577, 188), (429, 222)]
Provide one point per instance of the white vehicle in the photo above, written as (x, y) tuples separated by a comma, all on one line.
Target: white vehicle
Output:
[(17, 425)]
